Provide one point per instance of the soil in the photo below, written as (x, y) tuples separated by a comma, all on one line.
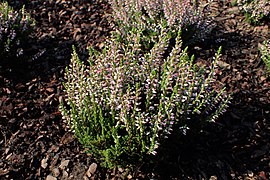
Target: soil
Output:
[(34, 141)]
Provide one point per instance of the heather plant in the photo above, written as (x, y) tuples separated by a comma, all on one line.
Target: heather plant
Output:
[(127, 102), (265, 53), (14, 27), (255, 10), (184, 15)]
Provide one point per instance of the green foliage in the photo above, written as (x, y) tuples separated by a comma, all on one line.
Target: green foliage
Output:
[(129, 100), (14, 28), (142, 86), (255, 10), (265, 54), (184, 15)]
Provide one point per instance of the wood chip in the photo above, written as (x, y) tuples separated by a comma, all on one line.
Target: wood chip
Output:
[(63, 164)]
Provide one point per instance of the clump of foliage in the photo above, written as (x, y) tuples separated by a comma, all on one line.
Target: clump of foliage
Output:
[(127, 101), (265, 53), (255, 10), (184, 15), (14, 27)]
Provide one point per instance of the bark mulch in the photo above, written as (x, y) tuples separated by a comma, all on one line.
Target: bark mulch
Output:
[(34, 143)]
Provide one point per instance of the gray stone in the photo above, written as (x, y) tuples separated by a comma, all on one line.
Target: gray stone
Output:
[(92, 169), (50, 177), (56, 172), (63, 164)]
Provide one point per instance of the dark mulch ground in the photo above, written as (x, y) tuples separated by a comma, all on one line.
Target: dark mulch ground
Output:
[(35, 145)]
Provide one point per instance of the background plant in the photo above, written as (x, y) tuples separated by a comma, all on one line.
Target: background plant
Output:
[(185, 15), (255, 10), (14, 28), (265, 53), (127, 102)]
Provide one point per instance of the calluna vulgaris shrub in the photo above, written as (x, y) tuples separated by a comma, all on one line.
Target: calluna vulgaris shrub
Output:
[(255, 9), (14, 27), (125, 103), (186, 15), (265, 53)]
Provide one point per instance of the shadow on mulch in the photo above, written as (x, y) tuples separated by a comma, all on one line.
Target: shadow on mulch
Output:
[(37, 61), (234, 146), (238, 143)]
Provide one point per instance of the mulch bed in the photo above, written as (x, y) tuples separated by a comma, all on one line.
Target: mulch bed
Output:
[(34, 143)]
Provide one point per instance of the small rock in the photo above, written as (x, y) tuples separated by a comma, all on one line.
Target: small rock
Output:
[(56, 172), (65, 174), (63, 164), (50, 177), (91, 170), (213, 178), (250, 174), (44, 163), (129, 176)]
